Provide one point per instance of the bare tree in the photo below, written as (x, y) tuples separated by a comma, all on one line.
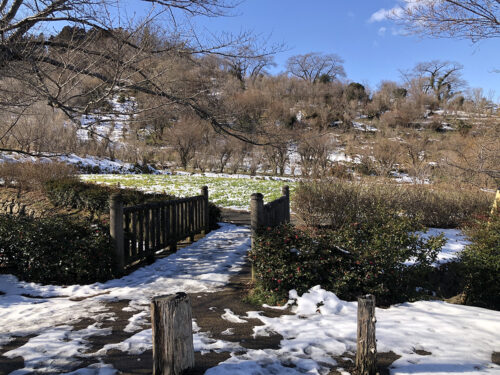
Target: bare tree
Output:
[(313, 67), (314, 151), (100, 54), (442, 79), (277, 155), (251, 60), (478, 158), (417, 158), (471, 19), (185, 137)]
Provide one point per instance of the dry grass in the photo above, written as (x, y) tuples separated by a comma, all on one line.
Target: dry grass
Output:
[(28, 176), (336, 202)]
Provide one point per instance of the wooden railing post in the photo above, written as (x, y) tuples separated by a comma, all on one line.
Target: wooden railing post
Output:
[(116, 229), (171, 321), (206, 218), (366, 353), (286, 192), (173, 226), (191, 220), (256, 219)]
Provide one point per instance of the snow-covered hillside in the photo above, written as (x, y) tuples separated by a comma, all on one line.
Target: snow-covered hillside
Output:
[(113, 124)]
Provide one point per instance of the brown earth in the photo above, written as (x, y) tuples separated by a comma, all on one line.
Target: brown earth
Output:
[(207, 309)]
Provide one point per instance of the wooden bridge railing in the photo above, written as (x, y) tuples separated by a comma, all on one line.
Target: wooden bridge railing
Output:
[(271, 214), (139, 231)]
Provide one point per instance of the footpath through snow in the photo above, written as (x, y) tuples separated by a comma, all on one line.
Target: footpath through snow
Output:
[(60, 323)]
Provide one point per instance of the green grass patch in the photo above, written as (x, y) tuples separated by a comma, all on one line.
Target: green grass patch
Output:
[(223, 191)]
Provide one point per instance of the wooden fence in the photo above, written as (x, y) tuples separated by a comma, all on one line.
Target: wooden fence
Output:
[(271, 214), (139, 231)]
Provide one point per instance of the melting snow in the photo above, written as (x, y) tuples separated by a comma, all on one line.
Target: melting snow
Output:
[(460, 339), (203, 266)]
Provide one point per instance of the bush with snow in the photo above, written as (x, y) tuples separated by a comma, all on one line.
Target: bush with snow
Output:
[(380, 254)]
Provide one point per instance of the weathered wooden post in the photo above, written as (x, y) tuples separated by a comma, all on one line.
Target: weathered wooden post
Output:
[(206, 216), (285, 190), (116, 229), (256, 219), (366, 353), (171, 321)]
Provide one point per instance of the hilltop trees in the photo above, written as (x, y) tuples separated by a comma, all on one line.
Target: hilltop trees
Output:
[(314, 67), (442, 79)]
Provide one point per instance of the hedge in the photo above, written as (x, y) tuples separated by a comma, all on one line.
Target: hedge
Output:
[(363, 257), (58, 250), (481, 263)]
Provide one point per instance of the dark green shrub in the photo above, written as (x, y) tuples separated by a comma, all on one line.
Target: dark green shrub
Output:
[(390, 260), (143, 169), (58, 250), (88, 168), (73, 193), (286, 258), (122, 98), (481, 262), (367, 256)]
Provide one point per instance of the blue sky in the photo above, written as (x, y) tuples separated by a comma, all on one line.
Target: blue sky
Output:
[(373, 51)]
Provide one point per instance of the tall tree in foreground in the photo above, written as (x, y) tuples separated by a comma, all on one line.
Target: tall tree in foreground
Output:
[(99, 53), (471, 19)]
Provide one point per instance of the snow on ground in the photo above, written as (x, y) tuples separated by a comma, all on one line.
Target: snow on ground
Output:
[(455, 243), (407, 179), (363, 127), (113, 125), (49, 312), (204, 344), (232, 317), (461, 339), (80, 162)]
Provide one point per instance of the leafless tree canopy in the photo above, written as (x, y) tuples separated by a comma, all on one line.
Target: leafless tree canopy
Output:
[(440, 78), (313, 66), (472, 19), (99, 54)]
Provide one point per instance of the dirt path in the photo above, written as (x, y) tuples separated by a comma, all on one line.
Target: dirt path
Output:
[(208, 309)]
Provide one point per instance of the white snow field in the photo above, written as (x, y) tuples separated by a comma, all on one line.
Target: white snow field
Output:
[(461, 339)]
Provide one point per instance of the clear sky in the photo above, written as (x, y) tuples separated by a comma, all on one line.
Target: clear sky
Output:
[(373, 51)]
